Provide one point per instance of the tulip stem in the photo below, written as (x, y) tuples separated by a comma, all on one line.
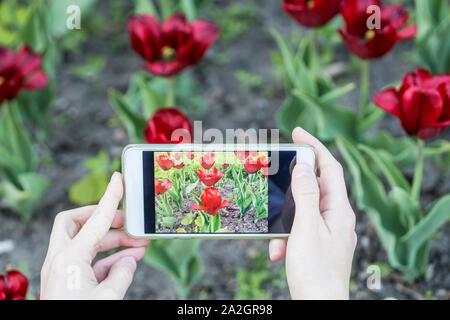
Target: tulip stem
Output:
[(418, 172), (170, 98), (364, 91)]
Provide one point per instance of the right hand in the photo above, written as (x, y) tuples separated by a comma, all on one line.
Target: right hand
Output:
[(319, 251)]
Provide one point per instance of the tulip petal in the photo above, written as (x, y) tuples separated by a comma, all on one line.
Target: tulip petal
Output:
[(416, 78), (433, 130), (18, 283), (3, 288), (395, 15), (198, 207), (176, 31), (145, 36), (27, 61), (36, 81), (6, 60), (389, 101), (407, 33), (204, 35), (166, 69), (422, 108)]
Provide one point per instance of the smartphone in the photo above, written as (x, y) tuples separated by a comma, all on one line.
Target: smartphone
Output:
[(224, 191)]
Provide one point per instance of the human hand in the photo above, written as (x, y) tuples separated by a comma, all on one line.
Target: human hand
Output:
[(77, 236), (319, 251)]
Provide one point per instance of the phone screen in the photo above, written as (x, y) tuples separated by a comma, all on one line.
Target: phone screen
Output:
[(217, 192)]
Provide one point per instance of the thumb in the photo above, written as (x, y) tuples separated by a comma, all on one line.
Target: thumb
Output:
[(119, 279), (306, 194)]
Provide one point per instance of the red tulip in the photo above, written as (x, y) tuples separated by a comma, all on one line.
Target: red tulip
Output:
[(164, 123), (209, 178), (161, 187), (211, 202), (225, 165), (207, 161), (164, 162), (367, 43), (251, 165), (422, 104), (20, 72), (190, 155), (13, 286), (179, 165), (263, 163), (172, 47), (176, 156), (312, 13)]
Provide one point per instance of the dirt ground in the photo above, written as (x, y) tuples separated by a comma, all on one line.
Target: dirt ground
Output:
[(81, 128)]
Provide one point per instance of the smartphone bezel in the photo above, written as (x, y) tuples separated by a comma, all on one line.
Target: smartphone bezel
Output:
[(132, 171)]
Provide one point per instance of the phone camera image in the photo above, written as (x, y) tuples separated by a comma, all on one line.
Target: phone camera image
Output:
[(206, 192)]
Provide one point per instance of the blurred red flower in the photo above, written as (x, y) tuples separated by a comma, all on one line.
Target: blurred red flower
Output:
[(172, 47), (263, 163), (225, 165), (179, 165), (20, 72), (209, 178), (164, 162), (422, 104), (251, 165), (13, 286), (190, 155), (374, 43), (207, 161), (163, 124), (211, 202), (161, 187), (312, 13)]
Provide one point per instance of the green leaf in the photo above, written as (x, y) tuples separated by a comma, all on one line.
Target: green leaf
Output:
[(145, 7), (389, 170), (437, 216), (133, 122), (288, 59), (151, 99), (188, 220), (168, 222), (58, 14), (24, 201), (188, 7), (191, 187), (100, 163), (16, 144), (90, 189), (409, 208)]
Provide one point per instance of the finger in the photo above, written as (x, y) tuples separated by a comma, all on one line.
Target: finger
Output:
[(119, 279), (118, 238), (306, 195), (277, 249), (101, 220), (331, 181), (101, 267)]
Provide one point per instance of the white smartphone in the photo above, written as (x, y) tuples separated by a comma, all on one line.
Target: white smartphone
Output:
[(211, 190)]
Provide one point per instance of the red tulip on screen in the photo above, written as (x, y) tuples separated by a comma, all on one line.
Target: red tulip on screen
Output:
[(263, 163), (161, 187), (207, 161), (20, 72), (13, 286), (179, 165), (190, 155), (166, 122), (225, 165), (251, 165), (211, 202), (209, 178), (374, 43), (164, 162), (312, 13), (422, 104), (173, 46)]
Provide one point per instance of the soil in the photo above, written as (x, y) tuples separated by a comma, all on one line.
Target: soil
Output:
[(81, 128)]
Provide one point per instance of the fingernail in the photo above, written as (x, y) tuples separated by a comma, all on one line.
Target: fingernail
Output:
[(303, 170), (115, 176), (307, 156)]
